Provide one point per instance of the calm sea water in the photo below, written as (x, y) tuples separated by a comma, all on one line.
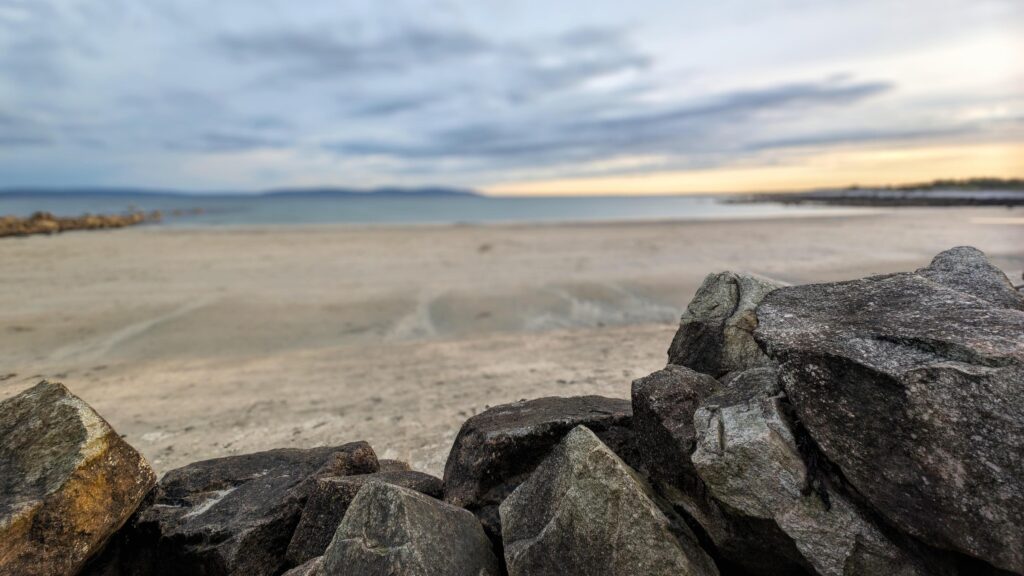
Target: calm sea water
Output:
[(243, 210)]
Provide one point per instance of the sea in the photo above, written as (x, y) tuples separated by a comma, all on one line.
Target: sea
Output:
[(242, 210)]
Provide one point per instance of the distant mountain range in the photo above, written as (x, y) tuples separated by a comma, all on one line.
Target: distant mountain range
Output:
[(324, 192)]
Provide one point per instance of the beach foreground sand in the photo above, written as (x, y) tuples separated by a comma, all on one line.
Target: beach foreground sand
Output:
[(204, 342)]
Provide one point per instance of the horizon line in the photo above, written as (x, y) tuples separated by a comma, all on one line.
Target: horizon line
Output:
[(447, 191)]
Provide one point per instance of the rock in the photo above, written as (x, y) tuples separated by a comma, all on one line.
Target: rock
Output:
[(913, 385), (664, 405), (714, 335), (749, 460), (67, 481), (314, 567), (499, 448), (393, 465), (330, 499), (966, 269), (47, 223), (395, 531), (584, 511), (228, 516)]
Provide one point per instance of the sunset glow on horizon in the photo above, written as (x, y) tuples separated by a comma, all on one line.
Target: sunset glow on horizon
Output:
[(835, 169)]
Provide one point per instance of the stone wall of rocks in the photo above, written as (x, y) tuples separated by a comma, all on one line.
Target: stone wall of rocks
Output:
[(46, 223), (862, 428)]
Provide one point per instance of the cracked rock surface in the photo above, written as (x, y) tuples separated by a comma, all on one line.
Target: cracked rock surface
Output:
[(664, 405), (228, 516), (330, 499), (585, 512), (715, 333), (748, 457), (496, 450), (394, 531), (913, 385)]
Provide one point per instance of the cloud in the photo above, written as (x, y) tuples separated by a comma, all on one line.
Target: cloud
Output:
[(472, 92), (224, 142), (319, 54), (520, 69), (829, 138), (677, 129), (392, 106), (19, 132)]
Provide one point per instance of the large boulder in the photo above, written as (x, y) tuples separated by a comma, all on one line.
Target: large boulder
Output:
[(585, 512), (664, 405), (67, 481), (748, 457), (715, 333), (330, 499), (394, 531), (498, 449), (913, 384), (228, 516)]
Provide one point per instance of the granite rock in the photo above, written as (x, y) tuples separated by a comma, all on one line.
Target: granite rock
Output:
[(585, 512), (664, 405), (913, 385), (748, 457), (330, 499), (228, 516), (499, 448), (394, 531), (715, 333)]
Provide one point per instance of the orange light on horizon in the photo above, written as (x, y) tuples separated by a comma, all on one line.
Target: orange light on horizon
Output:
[(839, 168)]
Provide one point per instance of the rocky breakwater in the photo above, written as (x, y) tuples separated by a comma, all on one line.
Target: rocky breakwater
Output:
[(862, 428), (47, 223)]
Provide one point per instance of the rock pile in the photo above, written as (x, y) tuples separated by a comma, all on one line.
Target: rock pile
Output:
[(862, 428), (46, 223)]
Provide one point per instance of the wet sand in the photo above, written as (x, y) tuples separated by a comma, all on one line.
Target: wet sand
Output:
[(205, 342)]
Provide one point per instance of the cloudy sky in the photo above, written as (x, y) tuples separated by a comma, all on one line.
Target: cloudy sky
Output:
[(568, 96)]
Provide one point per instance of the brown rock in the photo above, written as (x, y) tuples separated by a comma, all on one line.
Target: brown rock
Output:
[(67, 481)]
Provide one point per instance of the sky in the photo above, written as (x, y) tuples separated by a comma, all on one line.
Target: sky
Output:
[(524, 97)]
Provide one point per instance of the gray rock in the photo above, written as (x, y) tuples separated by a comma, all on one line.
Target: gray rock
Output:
[(499, 448), (664, 404), (394, 531), (313, 567), (393, 465), (966, 269), (912, 384), (67, 481), (748, 458), (228, 516), (330, 499), (714, 335), (585, 512)]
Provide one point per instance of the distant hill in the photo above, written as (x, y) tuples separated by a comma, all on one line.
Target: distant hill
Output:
[(325, 192), (377, 192)]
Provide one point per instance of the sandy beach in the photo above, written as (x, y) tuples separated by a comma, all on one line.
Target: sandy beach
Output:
[(204, 342)]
